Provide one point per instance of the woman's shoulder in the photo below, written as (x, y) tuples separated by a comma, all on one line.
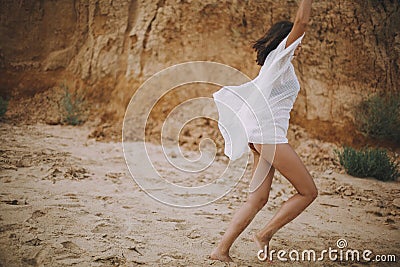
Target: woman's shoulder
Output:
[(283, 53)]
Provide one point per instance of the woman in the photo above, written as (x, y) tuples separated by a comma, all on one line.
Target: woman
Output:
[(275, 51)]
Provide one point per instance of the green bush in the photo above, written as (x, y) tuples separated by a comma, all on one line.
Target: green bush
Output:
[(368, 162), (74, 106), (379, 117), (3, 106)]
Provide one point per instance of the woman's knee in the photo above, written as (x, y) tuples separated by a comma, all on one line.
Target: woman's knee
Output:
[(312, 193), (257, 202)]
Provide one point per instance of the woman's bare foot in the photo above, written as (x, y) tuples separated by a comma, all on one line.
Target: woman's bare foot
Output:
[(262, 243), (218, 255)]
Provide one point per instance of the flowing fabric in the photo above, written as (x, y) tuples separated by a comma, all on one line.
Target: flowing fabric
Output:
[(258, 111)]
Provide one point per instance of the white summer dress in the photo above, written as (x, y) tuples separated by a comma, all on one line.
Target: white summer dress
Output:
[(258, 111)]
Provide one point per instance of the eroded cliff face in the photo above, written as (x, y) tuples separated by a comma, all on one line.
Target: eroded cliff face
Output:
[(109, 48)]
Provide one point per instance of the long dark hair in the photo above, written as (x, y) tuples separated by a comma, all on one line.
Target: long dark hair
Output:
[(271, 40)]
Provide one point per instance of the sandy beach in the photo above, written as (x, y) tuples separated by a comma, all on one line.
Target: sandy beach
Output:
[(69, 200), (148, 70)]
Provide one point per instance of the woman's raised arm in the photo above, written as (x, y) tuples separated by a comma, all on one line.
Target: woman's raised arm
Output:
[(300, 22)]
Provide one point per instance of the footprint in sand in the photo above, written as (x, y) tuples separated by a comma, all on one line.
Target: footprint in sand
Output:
[(194, 234), (104, 227), (71, 195), (111, 260), (71, 247), (171, 257), (15, 202), (37, 213), (34, 242), (181, 226)]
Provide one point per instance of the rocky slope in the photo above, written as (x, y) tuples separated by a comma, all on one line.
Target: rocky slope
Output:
[(108, 48)]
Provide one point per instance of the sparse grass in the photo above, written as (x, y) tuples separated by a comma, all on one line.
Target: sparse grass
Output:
[(379, 117), (3, 107), (368, 162), (74, 106)]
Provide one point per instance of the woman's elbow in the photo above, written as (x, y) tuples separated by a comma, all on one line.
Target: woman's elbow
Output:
[(302, 22)]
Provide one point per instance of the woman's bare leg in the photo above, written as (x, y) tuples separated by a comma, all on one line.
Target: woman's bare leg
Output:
[(288, 163), (247, 212)]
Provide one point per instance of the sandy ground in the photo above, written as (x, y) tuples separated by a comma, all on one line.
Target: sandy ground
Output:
[(68, 200)]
